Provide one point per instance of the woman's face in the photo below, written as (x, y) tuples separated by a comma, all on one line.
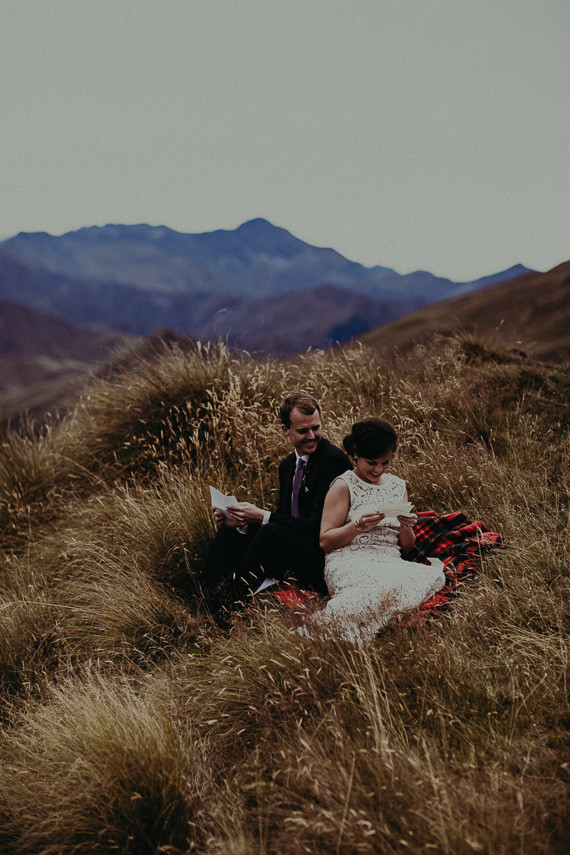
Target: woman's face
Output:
[(371, 469)]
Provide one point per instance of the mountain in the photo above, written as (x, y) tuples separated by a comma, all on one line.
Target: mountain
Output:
[(319, 317), (258, 284), (44, 361), (27, 332), (257, 259), (531, 312)]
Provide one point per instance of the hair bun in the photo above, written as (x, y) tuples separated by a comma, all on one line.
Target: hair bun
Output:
[(371, 437)]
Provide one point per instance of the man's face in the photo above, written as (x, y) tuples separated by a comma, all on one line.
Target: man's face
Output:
[(304, 431)]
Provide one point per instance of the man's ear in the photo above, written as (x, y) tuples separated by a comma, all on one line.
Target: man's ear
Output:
[(285, 429)]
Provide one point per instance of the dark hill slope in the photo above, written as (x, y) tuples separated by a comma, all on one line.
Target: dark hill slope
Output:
[(44, 361), (25, 331), (532, 311)]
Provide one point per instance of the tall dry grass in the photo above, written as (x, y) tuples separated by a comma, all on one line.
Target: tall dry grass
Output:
[(130, 725)]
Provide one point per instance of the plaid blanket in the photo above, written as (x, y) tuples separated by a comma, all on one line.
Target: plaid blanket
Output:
[(459, 543)]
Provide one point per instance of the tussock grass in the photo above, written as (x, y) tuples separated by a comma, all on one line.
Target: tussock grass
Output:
[(126, 778), (109, 583), (131, 725)]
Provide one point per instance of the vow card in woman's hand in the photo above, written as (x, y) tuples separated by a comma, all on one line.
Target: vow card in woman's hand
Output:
[(403, 509)]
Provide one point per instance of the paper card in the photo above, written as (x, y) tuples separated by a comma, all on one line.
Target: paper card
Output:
[(403, 509), (220, 502), (267, 583)]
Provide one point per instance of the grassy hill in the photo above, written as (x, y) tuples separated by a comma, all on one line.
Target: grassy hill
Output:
[(130, 725), (531, 312)]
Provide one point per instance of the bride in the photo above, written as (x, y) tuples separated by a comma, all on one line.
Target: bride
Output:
[(364, 534)]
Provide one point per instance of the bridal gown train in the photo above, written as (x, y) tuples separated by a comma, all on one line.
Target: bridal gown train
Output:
[(368, 580)]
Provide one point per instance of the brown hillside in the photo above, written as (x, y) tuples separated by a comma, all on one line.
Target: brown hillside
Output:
[(37, 385), (532, 312), (44, 361), (27, 332)]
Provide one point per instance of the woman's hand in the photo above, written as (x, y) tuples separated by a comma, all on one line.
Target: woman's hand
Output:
[(407, 536), (407, 521), (368, 521)]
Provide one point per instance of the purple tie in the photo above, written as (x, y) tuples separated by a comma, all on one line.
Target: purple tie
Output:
[(297, 478)]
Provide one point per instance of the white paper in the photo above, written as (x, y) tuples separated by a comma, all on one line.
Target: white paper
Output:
[(403, 509), (267, 583), (220, 502)]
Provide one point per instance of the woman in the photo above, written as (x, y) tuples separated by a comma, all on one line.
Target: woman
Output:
[(367, 578)]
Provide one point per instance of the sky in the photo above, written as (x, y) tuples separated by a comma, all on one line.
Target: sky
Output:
[(414, 134)]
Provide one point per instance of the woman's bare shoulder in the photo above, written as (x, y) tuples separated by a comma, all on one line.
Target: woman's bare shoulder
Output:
[(339, 487)]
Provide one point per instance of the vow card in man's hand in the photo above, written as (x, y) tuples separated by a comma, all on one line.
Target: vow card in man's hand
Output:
[(220, 502)]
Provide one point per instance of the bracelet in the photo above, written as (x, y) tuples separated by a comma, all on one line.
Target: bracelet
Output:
[(357, 525)]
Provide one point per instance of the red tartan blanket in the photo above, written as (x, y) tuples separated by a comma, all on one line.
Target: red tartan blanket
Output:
[(459, 543)]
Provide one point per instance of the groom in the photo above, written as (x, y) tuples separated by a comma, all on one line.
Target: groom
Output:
[(258, 543)]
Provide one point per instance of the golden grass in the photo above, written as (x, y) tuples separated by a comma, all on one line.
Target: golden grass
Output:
[(130, 725)]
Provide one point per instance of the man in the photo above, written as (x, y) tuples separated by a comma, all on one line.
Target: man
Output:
[(258, 543)]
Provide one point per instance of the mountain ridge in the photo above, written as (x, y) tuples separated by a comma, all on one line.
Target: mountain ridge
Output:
[(242, 283), (255, 239)]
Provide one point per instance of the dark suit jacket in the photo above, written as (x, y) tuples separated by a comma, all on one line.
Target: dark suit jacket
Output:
[(325, 464)]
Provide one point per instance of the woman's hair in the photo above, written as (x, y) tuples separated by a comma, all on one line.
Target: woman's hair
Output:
[(371, 437)]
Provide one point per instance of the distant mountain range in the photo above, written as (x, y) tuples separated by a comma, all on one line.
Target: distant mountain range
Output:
[(257, 285)]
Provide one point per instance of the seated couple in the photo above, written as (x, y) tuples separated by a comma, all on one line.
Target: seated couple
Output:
[(328, 530)]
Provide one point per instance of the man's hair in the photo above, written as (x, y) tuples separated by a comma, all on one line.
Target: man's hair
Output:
[(300, 400)]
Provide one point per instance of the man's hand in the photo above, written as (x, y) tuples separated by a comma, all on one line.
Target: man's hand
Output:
[(245, 512), (222, 520)]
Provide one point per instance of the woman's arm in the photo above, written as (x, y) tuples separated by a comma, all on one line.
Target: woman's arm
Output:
[(334, 531), (406, 535)]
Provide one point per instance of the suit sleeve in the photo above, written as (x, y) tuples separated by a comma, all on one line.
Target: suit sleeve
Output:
[(310, 525)]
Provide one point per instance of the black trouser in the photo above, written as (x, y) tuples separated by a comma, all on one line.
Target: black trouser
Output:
[(237, 563)]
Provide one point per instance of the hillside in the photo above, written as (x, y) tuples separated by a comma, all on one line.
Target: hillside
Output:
[(28, 332), (131, 724), (44, 361), (531, 312)]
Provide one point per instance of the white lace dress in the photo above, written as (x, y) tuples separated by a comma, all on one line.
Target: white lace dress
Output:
[(368, 580)]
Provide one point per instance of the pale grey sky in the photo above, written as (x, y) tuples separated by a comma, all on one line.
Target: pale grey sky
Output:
[(415, 134)]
